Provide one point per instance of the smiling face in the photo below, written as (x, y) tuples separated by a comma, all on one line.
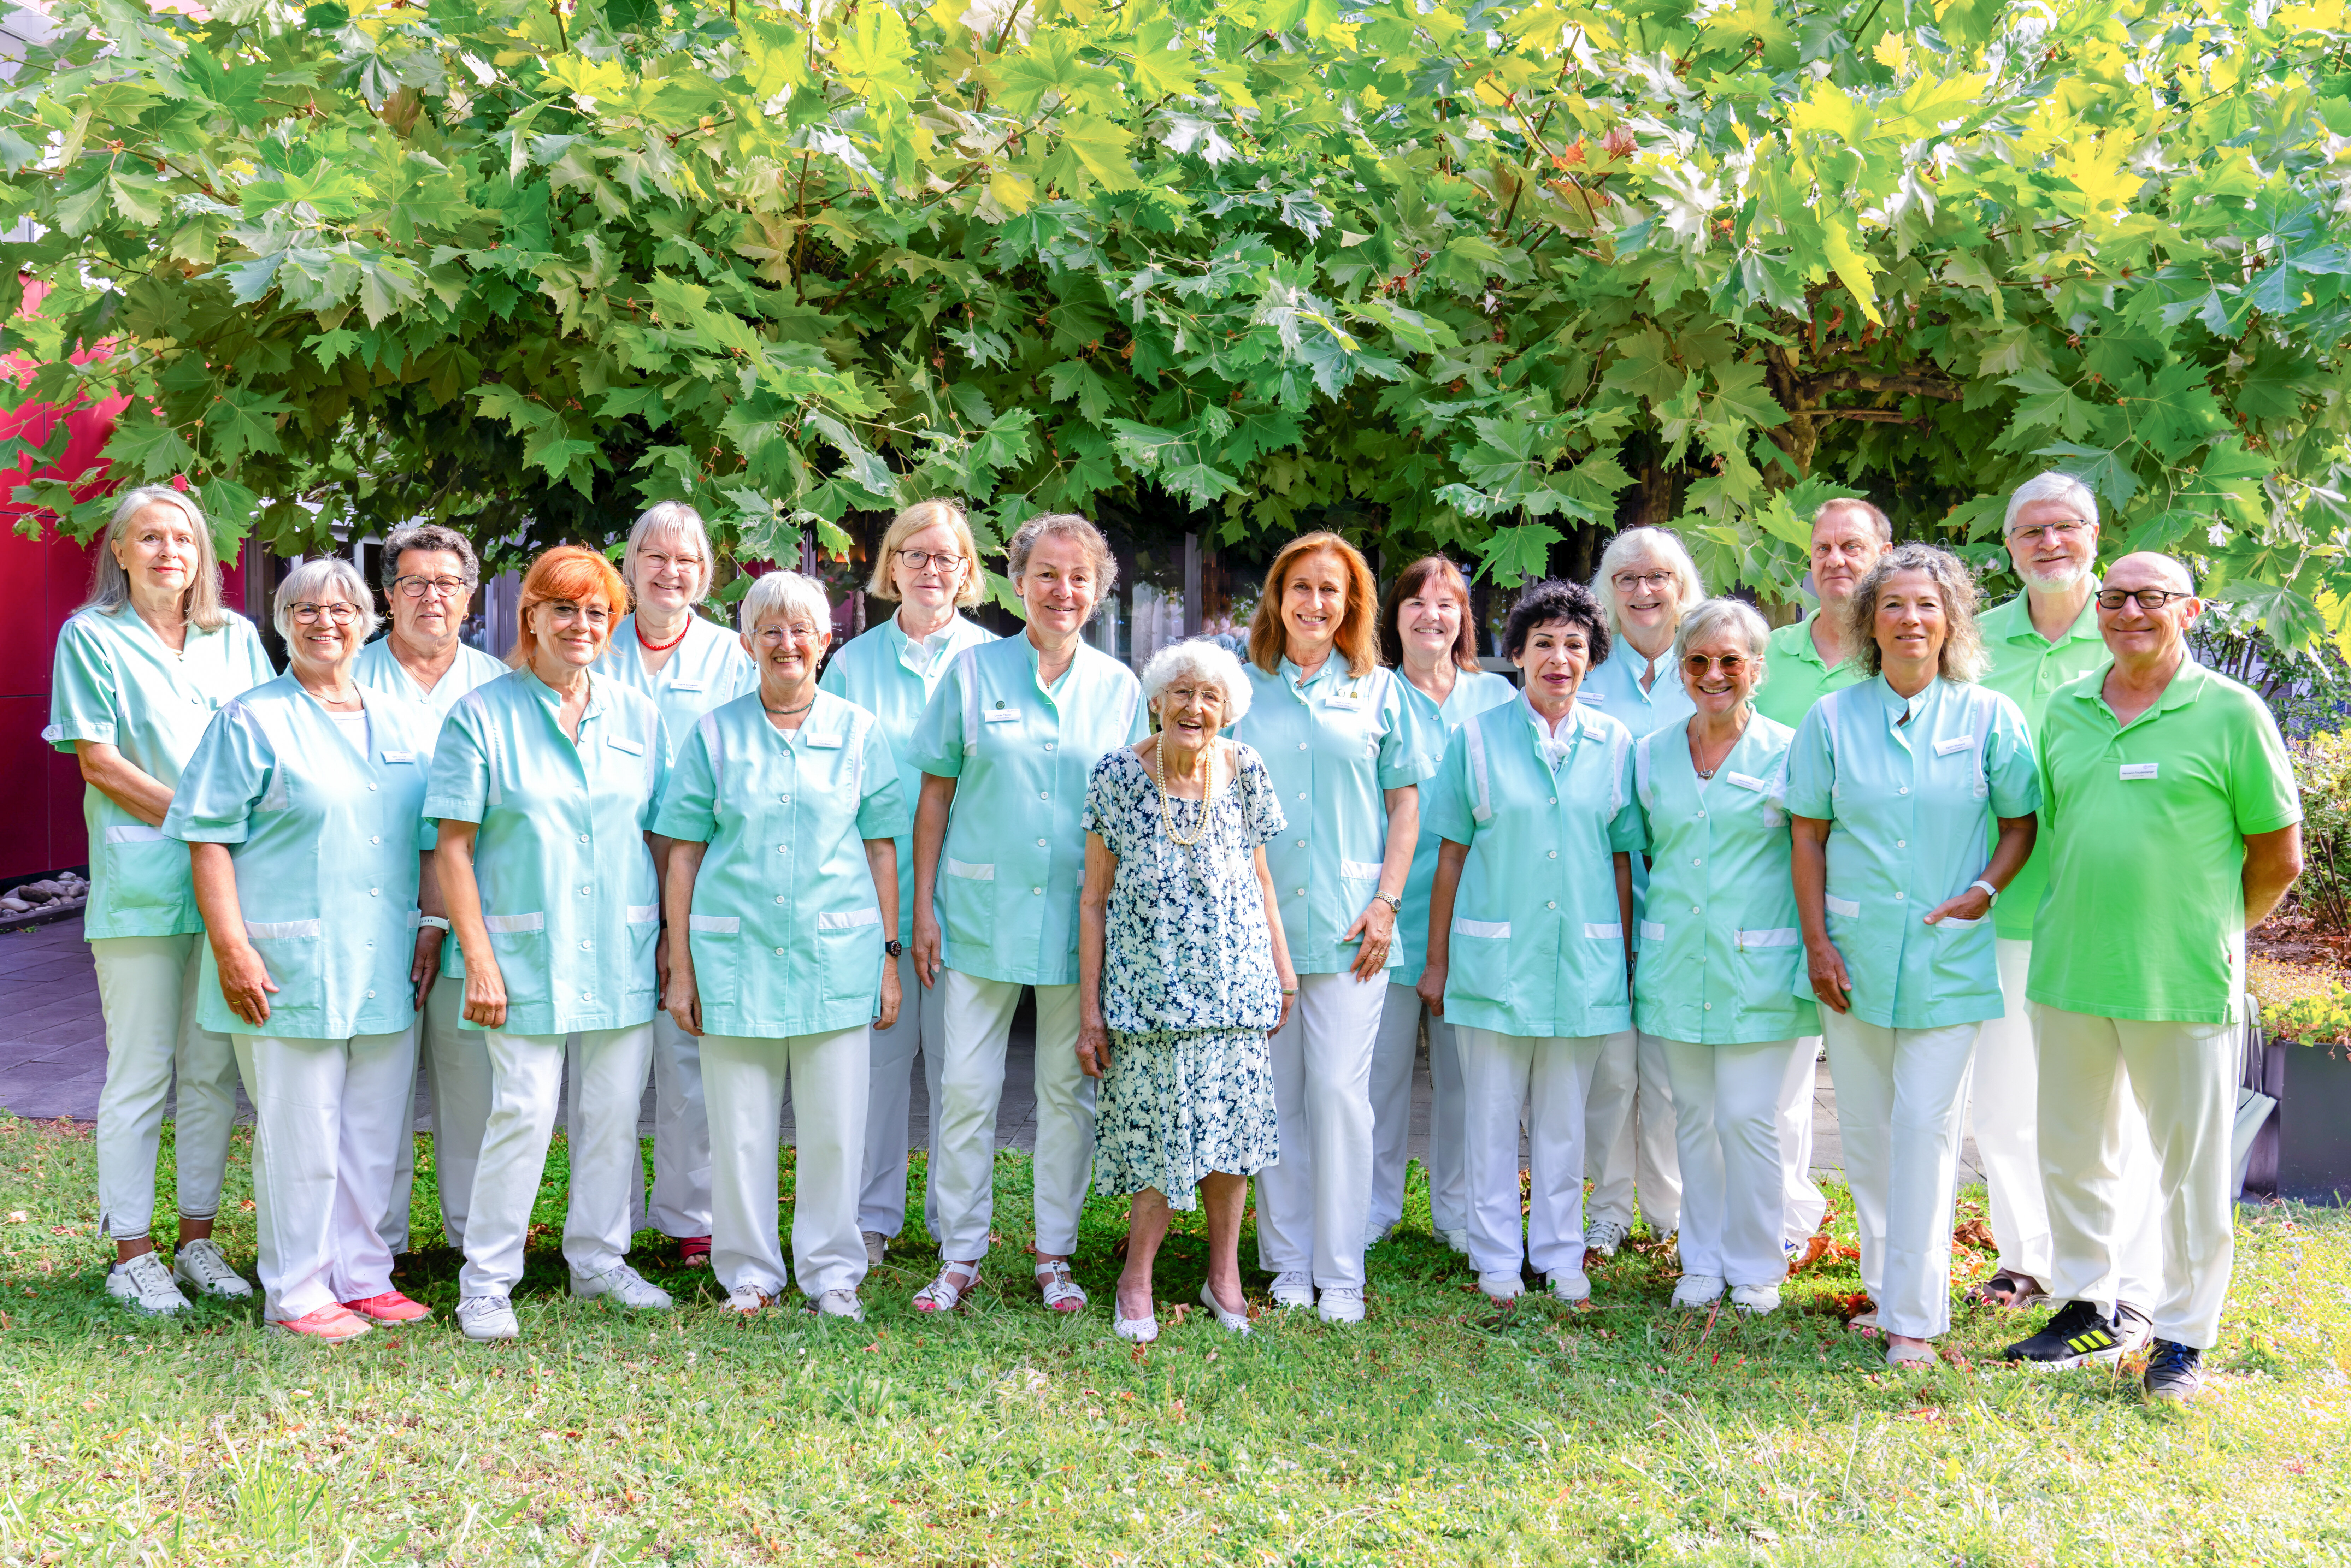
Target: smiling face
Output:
[(1313, 605), (1910, 624), (932, 585), (572, 633), (1557, 656), (1845, 546), (325, 632), (158, 552), (2134, 632), (1720, 673), (2051, 544), (1429, 623), (788, 647), (1648, 595), (1191, 709), (429, 597), (1059, 586), (667, 570)]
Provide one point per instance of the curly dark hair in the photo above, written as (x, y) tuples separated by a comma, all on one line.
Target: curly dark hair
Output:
[(1555, 600)]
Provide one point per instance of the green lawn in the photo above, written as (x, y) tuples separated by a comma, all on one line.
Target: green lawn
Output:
[(1442, 1430)]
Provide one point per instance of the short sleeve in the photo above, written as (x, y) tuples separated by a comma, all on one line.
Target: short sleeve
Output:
[(689, 802), (936, 747), (1261, 801), (1811, 765), (1141, 725), (459, 790), (81, 688), (1628, 830), (2262, 792), (225, 777), (883, 813), (1407, 753), (2011, 768), (1444, 796)]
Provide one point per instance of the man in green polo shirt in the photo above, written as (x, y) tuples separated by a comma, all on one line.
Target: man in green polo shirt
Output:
[(2172, 824)]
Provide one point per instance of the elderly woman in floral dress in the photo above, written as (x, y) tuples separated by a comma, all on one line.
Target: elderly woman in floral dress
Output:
[(1182, 972)]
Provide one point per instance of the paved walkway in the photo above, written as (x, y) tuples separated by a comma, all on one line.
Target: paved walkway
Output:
[(53, 1057)]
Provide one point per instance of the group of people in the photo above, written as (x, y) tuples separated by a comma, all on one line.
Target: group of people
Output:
[(2009, 857)]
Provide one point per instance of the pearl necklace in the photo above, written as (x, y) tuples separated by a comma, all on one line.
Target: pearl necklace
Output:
[(1167, 801)]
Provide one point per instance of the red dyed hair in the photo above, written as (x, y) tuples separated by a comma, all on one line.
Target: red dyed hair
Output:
[(1359, 629), (574, 575)]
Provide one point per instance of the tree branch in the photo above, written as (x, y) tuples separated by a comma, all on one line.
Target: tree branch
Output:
[(1934, 386)]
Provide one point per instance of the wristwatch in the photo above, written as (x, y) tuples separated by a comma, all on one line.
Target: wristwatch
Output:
[(1394, 901), (1990, 891), (895, 949)]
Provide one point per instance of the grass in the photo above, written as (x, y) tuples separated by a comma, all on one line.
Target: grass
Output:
[(1443, 1430)]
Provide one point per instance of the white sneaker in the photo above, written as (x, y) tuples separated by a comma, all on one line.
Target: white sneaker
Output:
[(1502, 1287), (838, 1304), (200, 1263), (1698, 1290), (1603, 1237), (877, 1247), (746, 1299), (625, 1286), (1755, 1300), (1340, 1304), (1457, 1241), (146, 1284), (487, 1319), (1294, 1288), (1571, 1286)]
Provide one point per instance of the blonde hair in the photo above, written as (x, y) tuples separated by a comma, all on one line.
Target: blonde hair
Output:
[(670, 517), (1359, 629), (1878, 520), (1660, 545), (1963, 657), (884, 583), (109, 588)]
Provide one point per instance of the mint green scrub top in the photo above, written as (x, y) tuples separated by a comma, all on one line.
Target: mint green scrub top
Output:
[(1473, 691), (377, 670), (1614, 687), (707, 668)]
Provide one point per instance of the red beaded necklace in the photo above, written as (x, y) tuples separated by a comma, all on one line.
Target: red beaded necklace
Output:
[(653, 647)]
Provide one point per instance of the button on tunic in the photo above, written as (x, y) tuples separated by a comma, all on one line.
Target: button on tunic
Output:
[(1722, 956), (115, 683), (786, 926), (2027, 668), (1913, 807), (1334, 745), (1006, 893), (567, 882), (1473, 691), (892, 676), (1537, 941), (708, 667), (324, 840)]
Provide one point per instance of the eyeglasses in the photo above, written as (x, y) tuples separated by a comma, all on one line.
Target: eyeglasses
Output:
[(2149, 600), (1729, 663), (564, 613), (776, 636), (1627, 581), (2056, 533), (661, 562), (432, 587), (308, 615), (947, 561)]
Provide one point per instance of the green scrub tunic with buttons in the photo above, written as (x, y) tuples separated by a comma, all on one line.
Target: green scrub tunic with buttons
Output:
[(377, 669), (892, 676), (1537, 939), (1006, 893), (1334, 745), (708, 667), (115, 683), (2027, 668), (1473, 691), (1722, 956), (1913, 801), (324, 840), (786, 926), (567, 882)]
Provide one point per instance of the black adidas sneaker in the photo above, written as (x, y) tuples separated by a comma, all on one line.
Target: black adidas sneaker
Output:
[(2078, 1335)]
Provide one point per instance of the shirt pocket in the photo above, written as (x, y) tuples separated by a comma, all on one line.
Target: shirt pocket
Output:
[(644, 930), (1965, 961), (849, 950), (1479, 969), (144, 870), (716, 941), (1772, 967), (520, 944), (293, 952), (967, 893), (1358, 880)]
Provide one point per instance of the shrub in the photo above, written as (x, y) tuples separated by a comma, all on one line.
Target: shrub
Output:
[(2322, 1019)]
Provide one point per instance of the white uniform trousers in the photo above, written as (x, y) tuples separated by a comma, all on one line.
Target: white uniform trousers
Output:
[(327, 1115), (745, 1080), (147, 992), (1726, 1133), (608, 1170), (2182, 1078), (1628, 1135), (458, 1082), (681, 1200), (1502, 1077), (889, 1103), (1804, 1203), (1312, 1204), (976, 1017), (2003, 1119), (1392, 1051), (1901, 1101)]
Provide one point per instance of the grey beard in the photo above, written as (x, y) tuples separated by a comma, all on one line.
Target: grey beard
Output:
[(2056, 584)]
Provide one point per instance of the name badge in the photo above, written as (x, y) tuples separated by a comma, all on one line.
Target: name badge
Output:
[(823, 742), (686, 685), (1347, 704), (1584, 696), (622, 743), (399, 757), (1956, 743), (1000, 715), (1744, 782), (2140, 769)]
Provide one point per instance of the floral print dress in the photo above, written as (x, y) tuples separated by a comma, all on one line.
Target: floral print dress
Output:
[(1188, 987)]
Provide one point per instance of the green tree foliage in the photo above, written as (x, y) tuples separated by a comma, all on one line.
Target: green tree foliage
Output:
[(1467, 275)]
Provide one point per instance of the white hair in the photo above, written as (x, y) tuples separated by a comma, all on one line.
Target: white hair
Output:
[(2054, 486), (1660, 544), (1203, 659), (778, 595), (310, 581), (670, 517), (1731, 616)]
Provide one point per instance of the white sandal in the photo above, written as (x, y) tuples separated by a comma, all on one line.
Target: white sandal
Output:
[(945, 1294), (1061, 1293), (1238, 1322)]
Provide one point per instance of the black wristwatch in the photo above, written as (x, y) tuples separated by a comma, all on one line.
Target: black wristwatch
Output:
[(895, 949)]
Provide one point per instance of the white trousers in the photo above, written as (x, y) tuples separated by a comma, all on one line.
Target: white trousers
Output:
[(1901, 1101), (889, 1103), (2182, 1079), (1393, 1050), (2003, 1118), (1805, 1205), (1504, 1076), (328, 1117), (458, 1081), (1628, 1135), (608, 1170), (976, 1017), (1727, 1132), (147, 992), (681, 1200), (746, 1079), (1312, 1204)]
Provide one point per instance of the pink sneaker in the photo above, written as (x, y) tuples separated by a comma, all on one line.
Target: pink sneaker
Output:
[(329, 1323), (392, 1307)]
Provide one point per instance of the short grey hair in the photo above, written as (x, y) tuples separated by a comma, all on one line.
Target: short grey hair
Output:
[(310, 581), (428, 537), (2054, 486), (111, 585), (669, 518), (1660, 545), (1203, 659), (1870, 509), (780, 594), (1731, 617), (1963, 657), (1065, 526)]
